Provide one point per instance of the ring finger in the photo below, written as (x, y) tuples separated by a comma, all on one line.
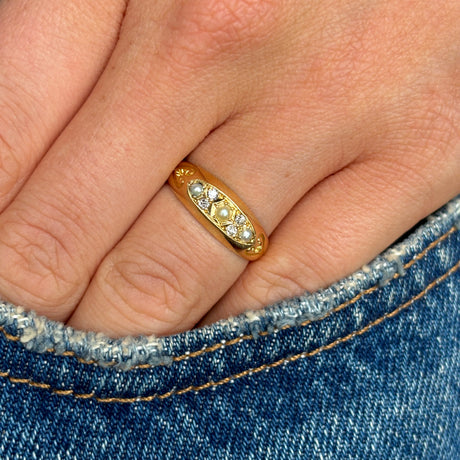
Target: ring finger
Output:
[(168, 271)]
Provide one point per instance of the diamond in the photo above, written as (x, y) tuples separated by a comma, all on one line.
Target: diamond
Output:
[(203, 203), (240, 219), (213, 194), (231, 230)]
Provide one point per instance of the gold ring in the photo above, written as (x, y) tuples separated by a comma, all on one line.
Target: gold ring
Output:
[(219, 209)]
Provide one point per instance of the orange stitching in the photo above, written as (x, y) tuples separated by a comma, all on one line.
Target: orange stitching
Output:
[(430, 246), (197, 388), (236, 340), (13, 338)]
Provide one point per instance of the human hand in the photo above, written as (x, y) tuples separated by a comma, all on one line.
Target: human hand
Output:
[(336, 122)]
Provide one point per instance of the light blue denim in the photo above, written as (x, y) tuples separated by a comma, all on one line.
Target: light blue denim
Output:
[(368, 368)]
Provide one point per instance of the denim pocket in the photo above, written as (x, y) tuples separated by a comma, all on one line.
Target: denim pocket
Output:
[(367, 368)]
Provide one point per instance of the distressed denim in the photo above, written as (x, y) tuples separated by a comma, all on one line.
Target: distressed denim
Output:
[(367, 368)]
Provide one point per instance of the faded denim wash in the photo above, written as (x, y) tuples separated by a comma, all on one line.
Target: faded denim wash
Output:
[(367, 368)]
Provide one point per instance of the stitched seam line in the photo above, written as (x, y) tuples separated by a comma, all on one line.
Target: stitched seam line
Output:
[(237, 340), (254, 370)]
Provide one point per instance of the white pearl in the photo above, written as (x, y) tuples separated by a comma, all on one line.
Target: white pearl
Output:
[(196, 189), (223, 212), (246, 235)]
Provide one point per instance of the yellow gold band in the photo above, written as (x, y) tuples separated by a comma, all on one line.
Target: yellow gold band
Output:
[(219, 209)]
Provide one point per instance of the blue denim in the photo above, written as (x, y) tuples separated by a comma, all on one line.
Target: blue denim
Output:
[(367, 368)]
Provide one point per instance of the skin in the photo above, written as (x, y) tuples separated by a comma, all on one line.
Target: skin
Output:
[(337, 122)]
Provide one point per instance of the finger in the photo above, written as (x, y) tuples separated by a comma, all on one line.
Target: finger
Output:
[(150, 108), (168, 270), (340, 225), (51, 53)]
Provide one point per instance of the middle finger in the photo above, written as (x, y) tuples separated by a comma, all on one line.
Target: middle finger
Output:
[(103, 170)]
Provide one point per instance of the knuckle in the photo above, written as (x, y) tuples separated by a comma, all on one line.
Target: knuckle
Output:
[(444, 118), (425, 141), (271, 283), (435, 115), (146, 288), (39, 271), (210, 27)]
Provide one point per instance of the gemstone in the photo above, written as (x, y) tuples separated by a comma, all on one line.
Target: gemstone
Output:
[(223, 213), (203, 203), (240, 219), (213, 194), (231, 230), (246, 235), (196, 189)]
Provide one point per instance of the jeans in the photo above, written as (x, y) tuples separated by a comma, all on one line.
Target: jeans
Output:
[(367, 368)]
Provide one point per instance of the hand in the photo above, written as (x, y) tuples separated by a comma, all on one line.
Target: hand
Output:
[(337, 123)]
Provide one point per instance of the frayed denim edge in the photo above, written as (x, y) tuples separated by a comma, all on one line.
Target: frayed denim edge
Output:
[(39, 334)]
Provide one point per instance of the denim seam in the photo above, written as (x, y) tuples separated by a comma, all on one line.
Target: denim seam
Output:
[(251, 371), (236, 340)]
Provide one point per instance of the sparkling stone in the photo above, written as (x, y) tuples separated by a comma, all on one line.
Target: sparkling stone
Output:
[(196, 189), (223, 213), (231, 230), (213, 194), (246, 235), (203, 203), (240, 219)]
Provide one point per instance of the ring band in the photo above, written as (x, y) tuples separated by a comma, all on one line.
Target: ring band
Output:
[(219, 209)]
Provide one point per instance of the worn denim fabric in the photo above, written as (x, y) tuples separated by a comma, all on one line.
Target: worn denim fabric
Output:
[(368, 368)]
